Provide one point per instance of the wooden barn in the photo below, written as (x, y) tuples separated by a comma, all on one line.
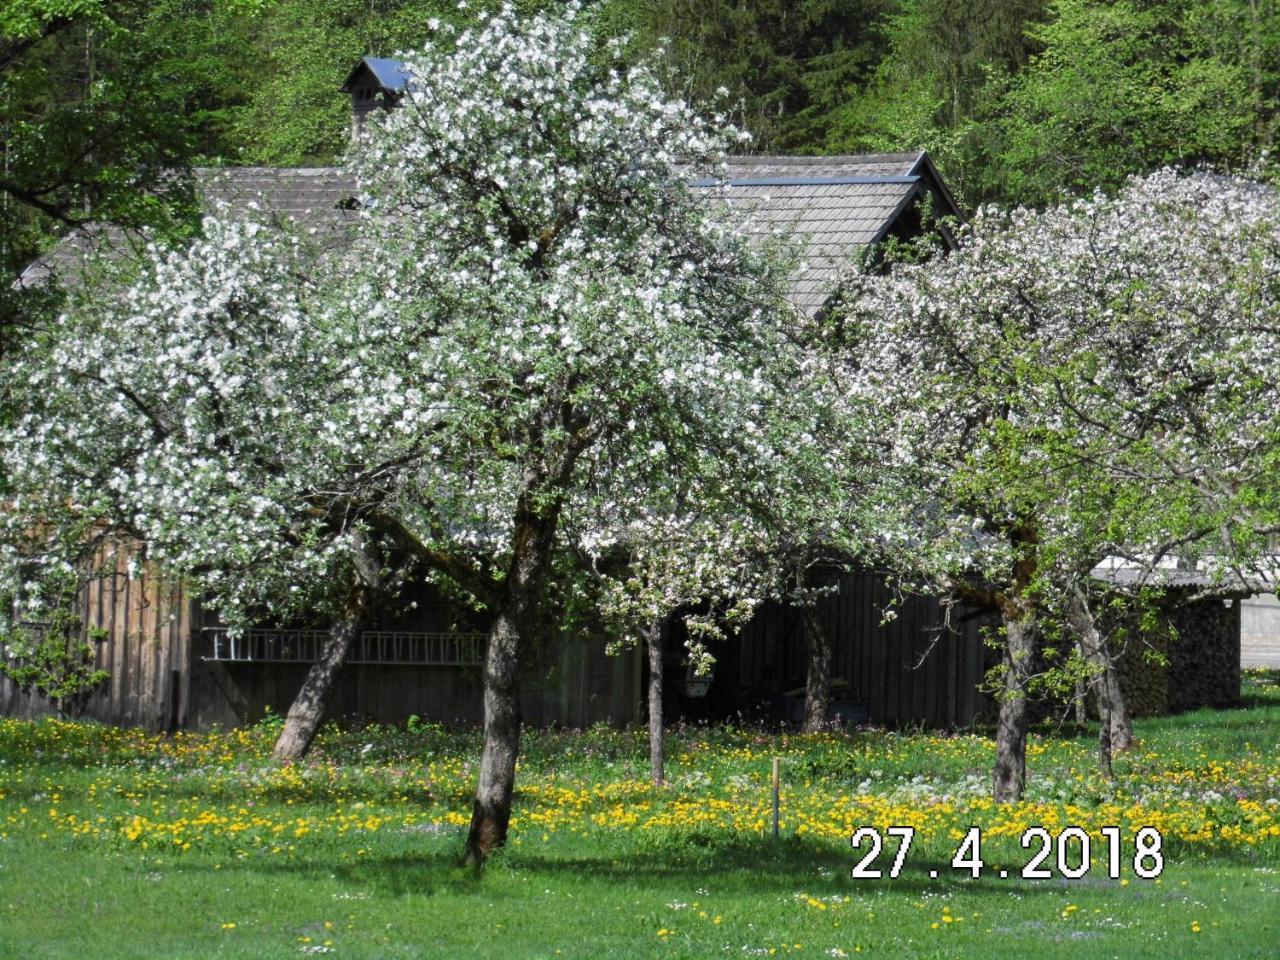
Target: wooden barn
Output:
[(173, 666)]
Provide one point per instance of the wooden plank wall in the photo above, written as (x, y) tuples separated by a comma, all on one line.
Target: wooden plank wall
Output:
[(147, 651), (566, 685), (906, 671)]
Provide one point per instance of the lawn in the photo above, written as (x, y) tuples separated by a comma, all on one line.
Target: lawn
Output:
[(115, 843)]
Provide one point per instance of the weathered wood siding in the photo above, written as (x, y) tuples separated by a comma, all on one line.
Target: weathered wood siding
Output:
[(147, 651), (158, 654), (906, 671), (161, 676), (567, 684)]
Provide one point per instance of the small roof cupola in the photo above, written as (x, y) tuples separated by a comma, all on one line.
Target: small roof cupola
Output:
[(374, 83)]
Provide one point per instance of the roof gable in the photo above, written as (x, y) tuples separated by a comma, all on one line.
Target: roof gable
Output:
[(834, 208), (380, 72)]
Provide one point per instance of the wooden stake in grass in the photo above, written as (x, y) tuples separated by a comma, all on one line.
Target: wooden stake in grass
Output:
[(777, 762)]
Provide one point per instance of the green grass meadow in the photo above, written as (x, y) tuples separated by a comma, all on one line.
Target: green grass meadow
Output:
[(121, 844)]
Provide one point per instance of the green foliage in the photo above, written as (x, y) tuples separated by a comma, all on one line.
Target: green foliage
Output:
[(94, 128), (785, 65), (54, 661), (1126, 87), (22, 20), (296, 55), (1025, 102), (270, 725), (418, 727), (945, 66)]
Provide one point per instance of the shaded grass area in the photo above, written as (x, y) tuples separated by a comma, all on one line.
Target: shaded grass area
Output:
[(104, 852), (582, 900)]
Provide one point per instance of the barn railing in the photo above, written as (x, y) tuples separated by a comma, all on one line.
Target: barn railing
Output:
[(372, 646)]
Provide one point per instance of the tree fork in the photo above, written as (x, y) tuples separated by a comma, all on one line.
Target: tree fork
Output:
[(1115, 732)]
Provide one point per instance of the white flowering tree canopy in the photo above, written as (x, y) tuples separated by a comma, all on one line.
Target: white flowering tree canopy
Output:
[(582, 330), (1098, 379), (534, 316), (201, 403)]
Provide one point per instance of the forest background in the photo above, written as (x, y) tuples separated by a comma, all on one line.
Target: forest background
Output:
[(1019, 101)]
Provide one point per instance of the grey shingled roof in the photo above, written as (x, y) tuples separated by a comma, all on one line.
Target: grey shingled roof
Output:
[(830, 207), (308, 195), (859, 165), (315, 198), (829, 223)]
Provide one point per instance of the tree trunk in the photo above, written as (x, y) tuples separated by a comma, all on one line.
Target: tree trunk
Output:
[(1115, 732), (1080, 700), (1121, 727), (1081, 621), (653, 641), (303, 719), (516, 615), (1021, 641), (1090, 642), (1105, 747), (491, 812), (307, 710), (817, 685)]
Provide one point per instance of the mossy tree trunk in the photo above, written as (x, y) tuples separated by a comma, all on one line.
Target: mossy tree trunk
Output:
[(1019, 614), (1121, 725), (1021, 645), (817, 685)]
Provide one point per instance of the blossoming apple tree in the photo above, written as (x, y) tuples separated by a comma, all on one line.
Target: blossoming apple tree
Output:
[(590, 331), (535, 323), (202, 411), (1095, 381), (687, 552)]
